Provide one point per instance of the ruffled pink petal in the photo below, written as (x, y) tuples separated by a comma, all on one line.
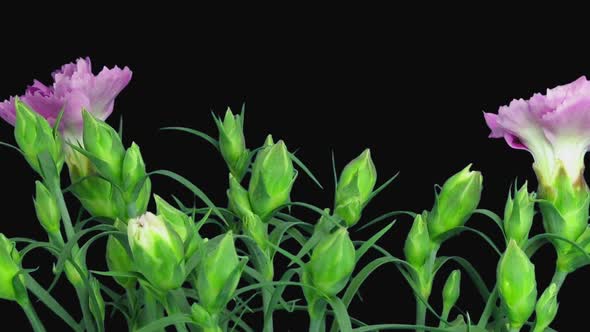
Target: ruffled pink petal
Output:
[(8, 111), (107, 86)]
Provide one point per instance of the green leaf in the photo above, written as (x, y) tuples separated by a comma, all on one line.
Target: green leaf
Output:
[(360, 252), (405, 327), (305, 169), (469, 269), (200, 134), (386, 216), (51, 303), (189, 185), (494, 217), (278, 233), (11, 146), (460, 229), (162, 323), (340, 314), (381, 188)]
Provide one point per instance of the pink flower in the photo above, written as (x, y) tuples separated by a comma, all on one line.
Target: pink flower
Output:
[(554, 127), (74, 88)]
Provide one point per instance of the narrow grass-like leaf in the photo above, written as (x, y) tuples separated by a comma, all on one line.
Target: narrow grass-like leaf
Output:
[(386, 216), (51, 303), (189, 185), (306, 170), (163, 323), (11, 146), (360, 252), (381, 188), (200, 134), (340, 314), (494, 217), (471, 272)]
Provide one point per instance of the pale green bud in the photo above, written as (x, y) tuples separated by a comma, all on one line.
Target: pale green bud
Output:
[(34, 136), (239, 202), (181, 223), (232, 143), (134, 175), (96, 301), (517, 285), (272, 179), (418, 246), (332, 262), (9, 269), (257, 230), (518, 215), (355, 187), (452, 290), (218, 274), (455, 203), (158, 252), (47, 209), (565, 207), (201, 317), (118, 259), (546, 308), (104, 143)]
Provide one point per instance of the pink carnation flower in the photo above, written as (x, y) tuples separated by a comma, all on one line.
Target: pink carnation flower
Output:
[(554, 127), (74, 88)]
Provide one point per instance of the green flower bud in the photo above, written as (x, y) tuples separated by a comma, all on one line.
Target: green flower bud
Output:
[(272, 179), (201, 317), (34, 136), (96, 302), (9, 269), (175, 218), (181, 223), (158, 251), (232, 143), (517, 285), (451, 290), (239, 202), (257, 230), (355, 187), (518, 215), (565, 208), (118, 259), (455, 203), (418, 246), (47, 210), (546, 308), (218, 274), (134, 175), (73, 273), (332, 262), (104, 143)]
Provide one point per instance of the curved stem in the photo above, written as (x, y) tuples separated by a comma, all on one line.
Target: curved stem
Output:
[(317, 323), (36, 323), (489, 308), (172, 308), (559, 278), (84, 305), (420, 314)]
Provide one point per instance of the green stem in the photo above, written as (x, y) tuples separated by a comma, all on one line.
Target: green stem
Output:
[(514, 329), (65, 215), (172, 308), (268, 308), (420, 314), (444, 316), (151, 307), (559, 278), (317, 315), (84, 305), (489, 308), (32, 316)]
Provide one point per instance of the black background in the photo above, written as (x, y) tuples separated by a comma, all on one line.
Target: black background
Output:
[(412, 92)]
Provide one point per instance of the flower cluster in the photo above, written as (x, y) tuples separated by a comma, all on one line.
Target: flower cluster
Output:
[(173, 273)]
